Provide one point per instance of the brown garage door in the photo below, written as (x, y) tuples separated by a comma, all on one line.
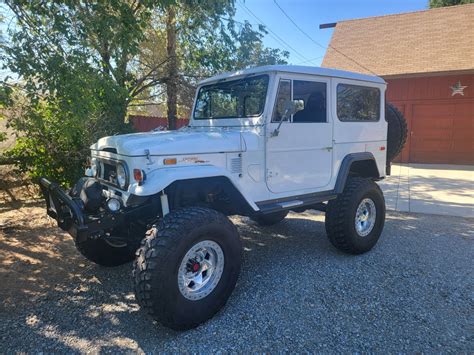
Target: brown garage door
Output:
[(443, 133)]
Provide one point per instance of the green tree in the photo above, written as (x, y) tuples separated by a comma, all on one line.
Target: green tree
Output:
[(83, 64), (5, 102), (201, 38), (75, 64), (442, 3)]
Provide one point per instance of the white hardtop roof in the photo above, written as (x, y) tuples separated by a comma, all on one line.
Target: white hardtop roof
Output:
[(295, 69)]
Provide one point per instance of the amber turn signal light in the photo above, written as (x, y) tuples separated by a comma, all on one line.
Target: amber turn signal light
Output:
[(169, 161), (139, 175)]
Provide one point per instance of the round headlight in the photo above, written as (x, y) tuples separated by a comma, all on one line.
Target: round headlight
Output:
[(113, 204), (121, 176)]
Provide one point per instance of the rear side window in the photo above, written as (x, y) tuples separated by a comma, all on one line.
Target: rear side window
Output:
[(358, 103)]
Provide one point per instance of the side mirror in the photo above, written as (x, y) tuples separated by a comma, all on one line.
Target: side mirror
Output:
[(289, 108)]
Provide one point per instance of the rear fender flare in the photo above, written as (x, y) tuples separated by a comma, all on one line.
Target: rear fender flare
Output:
[(345, 168)]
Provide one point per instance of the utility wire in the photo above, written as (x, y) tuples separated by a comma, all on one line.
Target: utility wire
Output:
[(310, 60), (272, 33), (317, 43), (238, 22)]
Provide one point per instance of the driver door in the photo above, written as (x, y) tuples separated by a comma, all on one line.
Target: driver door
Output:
[(300, 156)]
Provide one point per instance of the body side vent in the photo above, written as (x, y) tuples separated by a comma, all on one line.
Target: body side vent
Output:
[(236, 165)]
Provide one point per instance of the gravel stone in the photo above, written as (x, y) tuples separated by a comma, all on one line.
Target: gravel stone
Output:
[(412, 293)]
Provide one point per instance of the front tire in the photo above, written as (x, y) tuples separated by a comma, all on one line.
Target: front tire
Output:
[(187, 267), (355, 220), (110, 251)]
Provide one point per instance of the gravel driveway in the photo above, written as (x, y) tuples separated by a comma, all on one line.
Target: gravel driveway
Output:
[(412, 293)]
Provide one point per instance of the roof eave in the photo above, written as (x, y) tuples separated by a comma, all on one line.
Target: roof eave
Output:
[(426, 74)]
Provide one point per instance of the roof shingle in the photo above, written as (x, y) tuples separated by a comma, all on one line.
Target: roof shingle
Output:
[(436, 40)]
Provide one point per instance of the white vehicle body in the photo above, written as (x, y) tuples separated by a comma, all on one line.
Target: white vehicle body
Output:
[(304, 159), (260, 142)]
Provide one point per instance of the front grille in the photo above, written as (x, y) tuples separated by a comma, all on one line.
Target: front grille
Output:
[(108, 171), (110, 150)]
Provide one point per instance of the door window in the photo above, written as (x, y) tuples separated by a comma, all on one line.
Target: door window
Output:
[(314, 96), (312, 93), (284, 95)]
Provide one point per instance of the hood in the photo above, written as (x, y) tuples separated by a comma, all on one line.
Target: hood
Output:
[(185, 141)]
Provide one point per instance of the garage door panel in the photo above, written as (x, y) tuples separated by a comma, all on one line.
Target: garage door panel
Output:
[(430, 133), (442, 133), (463, 124), (434, 157), (434, 134), (463, 133), (463, 146), (464, 110), (441, 158), (442, 123), (434, 145), (434, 110)]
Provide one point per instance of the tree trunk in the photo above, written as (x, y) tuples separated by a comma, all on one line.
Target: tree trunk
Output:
[(172, 80)]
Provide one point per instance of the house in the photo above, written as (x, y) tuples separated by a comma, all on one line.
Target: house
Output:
[(427, 59)]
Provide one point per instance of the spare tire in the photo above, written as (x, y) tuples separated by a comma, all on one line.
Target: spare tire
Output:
[(397, 131)]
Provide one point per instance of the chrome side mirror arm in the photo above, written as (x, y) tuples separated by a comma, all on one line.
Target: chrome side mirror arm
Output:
[(276, 131)]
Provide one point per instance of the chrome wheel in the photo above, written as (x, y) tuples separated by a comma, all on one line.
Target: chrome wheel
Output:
[(200, 270), (365, 217)]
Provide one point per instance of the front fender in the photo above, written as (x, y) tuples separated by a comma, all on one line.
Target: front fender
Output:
[(157, 180)]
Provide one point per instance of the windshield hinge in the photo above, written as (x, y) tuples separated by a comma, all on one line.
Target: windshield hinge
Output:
[(148, 157)]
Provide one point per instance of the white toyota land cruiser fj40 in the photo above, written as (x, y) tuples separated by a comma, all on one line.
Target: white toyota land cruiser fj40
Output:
[(261, 142)]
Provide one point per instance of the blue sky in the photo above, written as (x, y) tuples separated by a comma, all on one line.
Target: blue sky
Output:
[(309, 14)]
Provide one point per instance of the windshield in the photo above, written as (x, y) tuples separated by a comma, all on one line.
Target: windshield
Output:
[(232, 99)]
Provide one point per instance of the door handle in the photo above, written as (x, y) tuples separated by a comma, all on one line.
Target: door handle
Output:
[(327, 148)]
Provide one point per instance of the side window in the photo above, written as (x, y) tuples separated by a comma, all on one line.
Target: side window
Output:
[(358, 103), (284, 94), (314, 96)]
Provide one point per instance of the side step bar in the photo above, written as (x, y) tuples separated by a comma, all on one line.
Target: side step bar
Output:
[(297, 202), (289, 204)]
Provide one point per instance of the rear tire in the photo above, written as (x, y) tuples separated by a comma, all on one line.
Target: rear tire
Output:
[(187, 267), (269, 219), (355, 220)]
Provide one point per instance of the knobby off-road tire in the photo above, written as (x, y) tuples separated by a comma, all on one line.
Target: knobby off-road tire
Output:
[(343, 226), (160, 279), (111, 253), (270, 219), (397, 131)]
